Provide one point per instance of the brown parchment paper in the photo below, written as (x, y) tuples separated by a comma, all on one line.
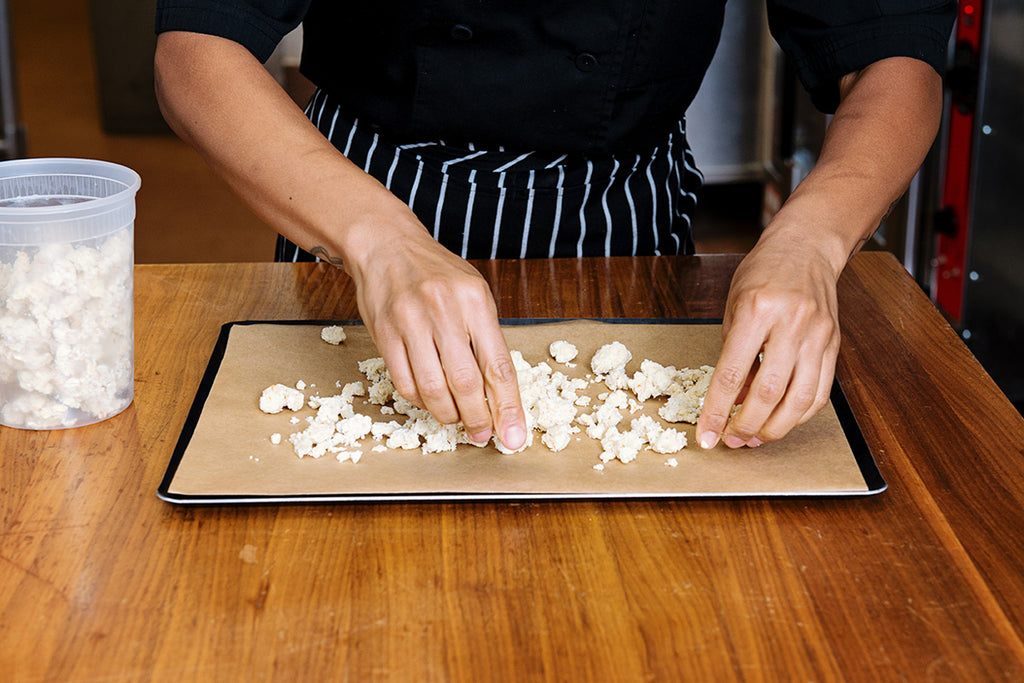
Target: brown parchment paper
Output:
[(230, 454)]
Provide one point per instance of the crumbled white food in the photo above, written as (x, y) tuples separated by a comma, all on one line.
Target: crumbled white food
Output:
[(300, 385), (334, 334), (374, 369), (381, 429), (617, 379), (66, 333), (626, 445), (332, 408), (646, 427), (277, 397), (672, 462), (353, 389), (623, 446), (403, 438), (556, 438), (617, 399), (653, 380), (610, 357), (563, 351), (352, 456), (553, 411), (351, 429), (668, 441), (605, 418), (275, 438), (551, 400), (314, 440), (440, 438), (686, 395)]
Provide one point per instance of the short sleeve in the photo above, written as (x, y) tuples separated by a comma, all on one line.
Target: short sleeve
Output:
[(258, 25), (827, 40)]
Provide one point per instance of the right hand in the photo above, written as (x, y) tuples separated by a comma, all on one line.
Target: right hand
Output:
[(434, 321)]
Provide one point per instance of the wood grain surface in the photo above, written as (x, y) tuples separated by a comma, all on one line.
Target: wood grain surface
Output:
[(100, 580)]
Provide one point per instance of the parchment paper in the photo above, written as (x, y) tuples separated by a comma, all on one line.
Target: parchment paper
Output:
[(229, 456)]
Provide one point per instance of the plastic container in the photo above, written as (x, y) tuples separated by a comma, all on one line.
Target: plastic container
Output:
[(66, 261)]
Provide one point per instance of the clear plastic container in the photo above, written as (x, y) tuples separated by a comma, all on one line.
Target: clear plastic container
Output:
[(66, 261)]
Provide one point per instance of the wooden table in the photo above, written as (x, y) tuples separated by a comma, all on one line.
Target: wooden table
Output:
[(100, 580)]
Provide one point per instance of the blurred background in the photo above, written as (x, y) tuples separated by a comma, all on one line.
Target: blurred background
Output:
[(76, 80)]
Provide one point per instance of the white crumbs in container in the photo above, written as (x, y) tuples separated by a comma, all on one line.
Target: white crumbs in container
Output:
[(334, 334), (66, 292)]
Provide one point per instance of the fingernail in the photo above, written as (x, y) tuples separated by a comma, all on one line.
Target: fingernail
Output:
[(708, 440), (480, 438), (733, 441), (755, 442), (514, 437)]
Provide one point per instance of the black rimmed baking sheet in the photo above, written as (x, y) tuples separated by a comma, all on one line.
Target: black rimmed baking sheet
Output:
[(224, 454)]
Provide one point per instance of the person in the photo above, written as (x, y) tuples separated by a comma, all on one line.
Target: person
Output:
[(444, 131)]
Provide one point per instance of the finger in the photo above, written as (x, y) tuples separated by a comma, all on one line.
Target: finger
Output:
[(392, 350), (465, 384), (429, 379), (801, 395), (767, 390), (742, 396), (501, 385), (825, 378), (739, 352)]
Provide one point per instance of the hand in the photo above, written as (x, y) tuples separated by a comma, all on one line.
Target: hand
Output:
[(435, 323), (782, 304)]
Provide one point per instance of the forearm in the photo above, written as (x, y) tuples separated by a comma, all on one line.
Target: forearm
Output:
[(219, 98), (874, 145)]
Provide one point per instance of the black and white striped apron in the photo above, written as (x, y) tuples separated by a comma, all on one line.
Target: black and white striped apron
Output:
[(497, 204)]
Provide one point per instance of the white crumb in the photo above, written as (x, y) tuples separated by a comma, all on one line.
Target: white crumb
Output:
[(334, 334)]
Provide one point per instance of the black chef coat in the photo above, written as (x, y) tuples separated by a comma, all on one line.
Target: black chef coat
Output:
[(595, 77)]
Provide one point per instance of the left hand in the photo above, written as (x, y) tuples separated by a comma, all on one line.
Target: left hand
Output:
[(782, 303)]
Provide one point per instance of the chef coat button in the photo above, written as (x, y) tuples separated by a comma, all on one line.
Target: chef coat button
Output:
[(461, 32), (586, 62)]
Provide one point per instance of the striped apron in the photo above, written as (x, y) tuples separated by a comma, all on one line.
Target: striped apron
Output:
[(491, 203)]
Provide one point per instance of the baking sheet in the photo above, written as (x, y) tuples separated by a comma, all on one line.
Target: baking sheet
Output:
[(224, 454)]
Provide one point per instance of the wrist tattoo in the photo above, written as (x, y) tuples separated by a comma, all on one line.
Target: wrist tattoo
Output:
[(321, 253)]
